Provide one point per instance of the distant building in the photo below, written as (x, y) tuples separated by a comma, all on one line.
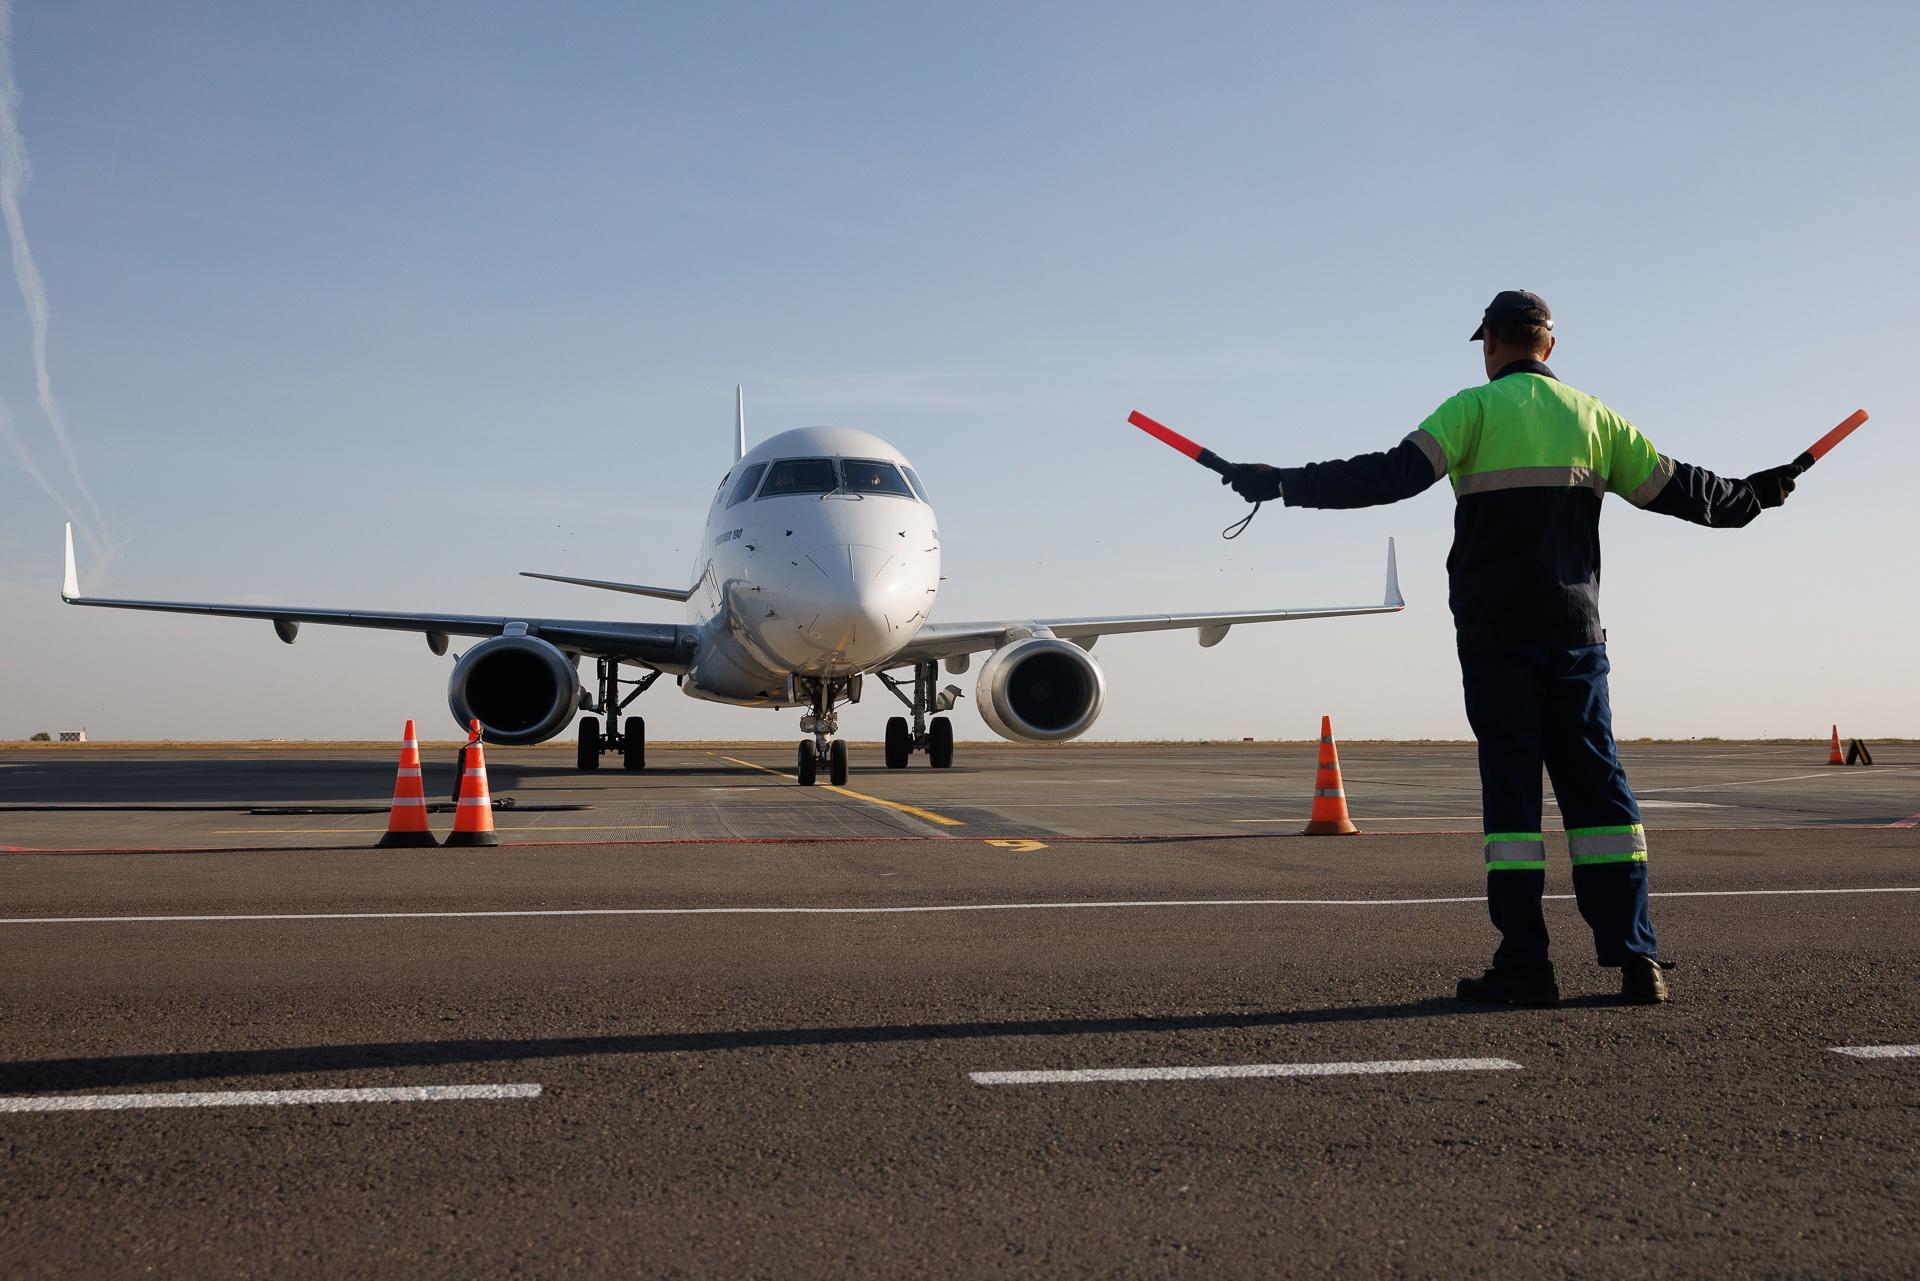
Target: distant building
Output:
[(74, 735)]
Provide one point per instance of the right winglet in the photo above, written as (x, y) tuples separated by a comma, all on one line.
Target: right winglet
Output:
[(1394, 598), (70, 588)]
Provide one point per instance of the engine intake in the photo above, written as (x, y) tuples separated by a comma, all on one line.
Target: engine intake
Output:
[(1041, 690), (520, 689)]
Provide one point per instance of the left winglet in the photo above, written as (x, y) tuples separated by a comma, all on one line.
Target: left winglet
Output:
[(1394, 598), (632, 589), (70, 588)]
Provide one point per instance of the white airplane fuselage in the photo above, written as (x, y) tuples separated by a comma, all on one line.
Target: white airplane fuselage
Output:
[(820, 560)]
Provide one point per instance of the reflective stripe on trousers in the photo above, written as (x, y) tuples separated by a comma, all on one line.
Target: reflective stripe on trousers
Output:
[(1626, 843), (1516, 852)]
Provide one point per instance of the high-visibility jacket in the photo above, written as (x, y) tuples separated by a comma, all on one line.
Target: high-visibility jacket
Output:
[(1530, 459)]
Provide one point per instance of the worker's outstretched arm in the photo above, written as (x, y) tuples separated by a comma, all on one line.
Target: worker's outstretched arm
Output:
[(1696, 494), (1656, 482), (1366, 481)]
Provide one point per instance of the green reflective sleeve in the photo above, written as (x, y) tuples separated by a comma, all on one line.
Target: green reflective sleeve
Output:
[(1633, 464), (1453, 426)]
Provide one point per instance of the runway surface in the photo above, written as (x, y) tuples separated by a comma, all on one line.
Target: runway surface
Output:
[(290, 797), (1141, 1037)]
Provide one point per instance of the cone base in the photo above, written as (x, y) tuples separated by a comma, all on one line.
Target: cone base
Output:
[(406, 840), (1331, 827), (472, 838)]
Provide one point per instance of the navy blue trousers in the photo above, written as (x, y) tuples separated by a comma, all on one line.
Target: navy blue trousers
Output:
[(1533, 706)]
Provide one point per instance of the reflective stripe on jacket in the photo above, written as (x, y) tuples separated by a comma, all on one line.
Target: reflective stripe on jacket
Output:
[(1530, 460)]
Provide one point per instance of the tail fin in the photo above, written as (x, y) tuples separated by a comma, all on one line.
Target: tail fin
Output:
[(739, 423)]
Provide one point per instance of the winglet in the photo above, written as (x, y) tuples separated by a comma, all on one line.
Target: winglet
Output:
[(632, 589), (739, 422), (1394, 598), (70, 588)]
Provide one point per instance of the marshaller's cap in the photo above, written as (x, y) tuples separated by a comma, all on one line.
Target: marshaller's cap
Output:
[(1516, 303)]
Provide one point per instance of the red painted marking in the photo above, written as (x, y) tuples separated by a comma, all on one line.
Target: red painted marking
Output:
[(1820, 447), (1165, 435)]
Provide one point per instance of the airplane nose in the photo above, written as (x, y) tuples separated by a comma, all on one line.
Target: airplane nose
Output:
[(854, 617)]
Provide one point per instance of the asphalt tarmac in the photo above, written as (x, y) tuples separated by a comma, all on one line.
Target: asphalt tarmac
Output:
[(754, 1052)]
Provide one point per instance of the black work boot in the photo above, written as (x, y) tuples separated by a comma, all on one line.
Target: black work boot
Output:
[(1529, 983), (1642, 983)]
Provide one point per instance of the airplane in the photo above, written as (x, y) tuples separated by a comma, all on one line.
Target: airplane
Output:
[(818, 568)]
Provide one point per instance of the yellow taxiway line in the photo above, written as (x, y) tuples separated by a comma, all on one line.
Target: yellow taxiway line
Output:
[(914, 810)]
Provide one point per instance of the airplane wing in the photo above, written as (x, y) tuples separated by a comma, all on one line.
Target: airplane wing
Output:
[(662, 645), (938, 641)]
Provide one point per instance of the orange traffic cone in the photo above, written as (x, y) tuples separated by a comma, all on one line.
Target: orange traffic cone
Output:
[(473, 816), (1329, 817), (407, 820), (1833, 753)]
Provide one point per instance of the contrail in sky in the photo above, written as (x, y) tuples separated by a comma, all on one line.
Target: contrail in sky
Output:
[(14, 173)]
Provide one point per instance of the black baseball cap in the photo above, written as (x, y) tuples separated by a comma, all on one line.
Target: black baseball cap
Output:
[(1517, 303)]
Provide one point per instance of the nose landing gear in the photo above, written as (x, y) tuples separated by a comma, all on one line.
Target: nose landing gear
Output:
[(824, 748)]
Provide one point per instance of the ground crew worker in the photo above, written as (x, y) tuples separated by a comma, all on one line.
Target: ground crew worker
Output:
[(1530, 459)]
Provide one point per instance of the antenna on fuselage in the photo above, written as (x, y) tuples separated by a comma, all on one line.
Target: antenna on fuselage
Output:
[(739, 423)]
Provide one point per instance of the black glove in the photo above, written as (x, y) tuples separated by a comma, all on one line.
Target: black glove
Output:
[(1255, 482), (1773, 485)]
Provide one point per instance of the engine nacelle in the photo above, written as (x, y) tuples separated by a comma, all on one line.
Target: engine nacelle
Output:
[(1041, 690), (520, 689)]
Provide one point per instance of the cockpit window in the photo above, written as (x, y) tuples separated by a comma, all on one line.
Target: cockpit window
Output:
[(919, 490), (800, 476), (748, 479), (870, 476)]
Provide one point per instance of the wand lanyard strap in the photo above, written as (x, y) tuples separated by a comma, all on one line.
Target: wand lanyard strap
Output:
[(1239, 527)]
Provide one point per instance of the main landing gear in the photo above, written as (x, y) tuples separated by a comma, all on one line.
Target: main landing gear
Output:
[(934, 737), (628, 741)]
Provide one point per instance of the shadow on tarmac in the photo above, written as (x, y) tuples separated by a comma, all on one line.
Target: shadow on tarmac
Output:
[(153, 1069), (237, 784)]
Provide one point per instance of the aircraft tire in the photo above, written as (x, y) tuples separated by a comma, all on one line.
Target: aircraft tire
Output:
[(633, 743), (940, 743), (589, 754), (837, 763), (899, 742), (809, 764)]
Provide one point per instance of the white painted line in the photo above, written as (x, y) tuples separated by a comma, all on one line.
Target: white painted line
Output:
[(922, 909), (1878, 1051), (263, 1098), (1240, 1071), (1762, 782)]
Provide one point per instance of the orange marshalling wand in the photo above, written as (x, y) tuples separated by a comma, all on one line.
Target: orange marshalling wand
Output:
[(1818, 449), (407, 820)]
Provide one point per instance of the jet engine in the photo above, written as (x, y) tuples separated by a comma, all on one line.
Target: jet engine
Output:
[(520, 689), (1041, 690)]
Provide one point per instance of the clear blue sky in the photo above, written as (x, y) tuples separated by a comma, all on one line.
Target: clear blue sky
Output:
[(373, 304)]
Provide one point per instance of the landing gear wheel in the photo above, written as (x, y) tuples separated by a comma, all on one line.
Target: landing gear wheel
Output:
[(899, 742), (809, 763), (837, 763), (589, 757), (940, 743), (633, 743)]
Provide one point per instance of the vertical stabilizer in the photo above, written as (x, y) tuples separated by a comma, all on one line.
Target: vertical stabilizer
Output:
[(70, 585), (739, 423)]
